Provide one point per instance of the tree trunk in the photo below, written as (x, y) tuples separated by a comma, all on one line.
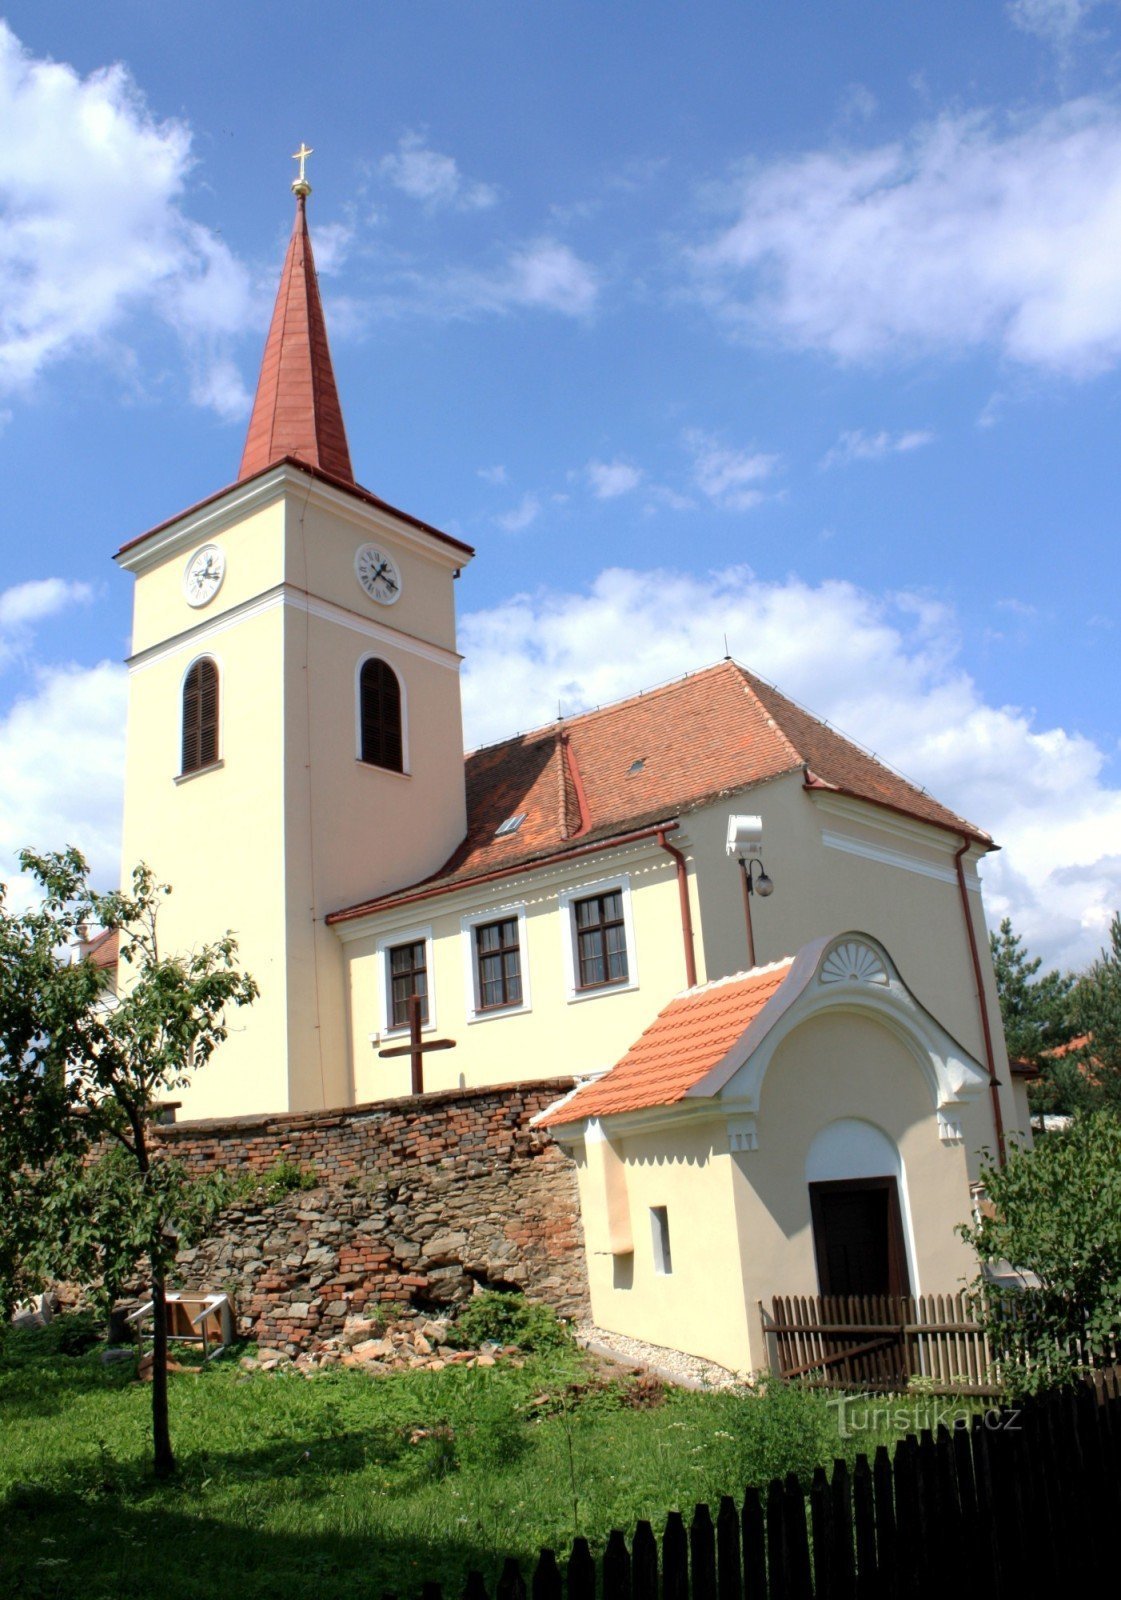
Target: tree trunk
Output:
[(164, 1460)]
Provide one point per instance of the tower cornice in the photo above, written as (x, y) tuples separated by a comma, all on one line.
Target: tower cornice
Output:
[(237, 500)]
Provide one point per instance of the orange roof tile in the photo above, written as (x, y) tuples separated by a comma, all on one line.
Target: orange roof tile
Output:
[(702, 738), (296, 411), (686, 1040), (102, 950)]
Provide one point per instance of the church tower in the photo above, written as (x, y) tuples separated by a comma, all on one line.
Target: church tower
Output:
[(294, 730)]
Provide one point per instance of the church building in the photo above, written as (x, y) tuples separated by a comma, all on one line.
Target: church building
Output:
[(775, 1091)]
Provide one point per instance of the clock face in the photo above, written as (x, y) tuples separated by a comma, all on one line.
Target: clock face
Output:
[(378, 574), (204, 573)]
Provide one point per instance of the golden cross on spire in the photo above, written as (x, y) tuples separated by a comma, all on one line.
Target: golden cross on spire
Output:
[(300, 185)]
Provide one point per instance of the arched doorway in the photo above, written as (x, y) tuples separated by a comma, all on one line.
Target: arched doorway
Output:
[(854, 1174)]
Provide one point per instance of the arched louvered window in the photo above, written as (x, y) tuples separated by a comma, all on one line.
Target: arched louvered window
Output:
[(200, 716), (379, 716)]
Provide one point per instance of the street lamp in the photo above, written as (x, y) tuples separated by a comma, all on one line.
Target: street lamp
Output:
[(745, 843)]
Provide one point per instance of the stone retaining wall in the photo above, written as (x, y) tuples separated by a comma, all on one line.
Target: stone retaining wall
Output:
[(420, 1199)]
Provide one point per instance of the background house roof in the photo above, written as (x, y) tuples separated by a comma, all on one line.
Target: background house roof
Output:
[(647, 759), (687, 1039)]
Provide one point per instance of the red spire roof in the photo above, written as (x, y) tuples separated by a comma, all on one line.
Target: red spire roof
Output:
[(296, 412)]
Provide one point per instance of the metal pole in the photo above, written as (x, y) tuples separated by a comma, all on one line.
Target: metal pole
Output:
[(747, 913)]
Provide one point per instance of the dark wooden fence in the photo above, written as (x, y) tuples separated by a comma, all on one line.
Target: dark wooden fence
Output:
[(884, 1342), (1022, 1502), (880, 1342)]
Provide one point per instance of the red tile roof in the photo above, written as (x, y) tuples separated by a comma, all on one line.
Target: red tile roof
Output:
[(102, 950), (297, 411), (685, 1041), (702, 738)]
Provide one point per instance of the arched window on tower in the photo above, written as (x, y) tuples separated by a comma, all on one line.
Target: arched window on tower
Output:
[(379, 716), (200, 716)]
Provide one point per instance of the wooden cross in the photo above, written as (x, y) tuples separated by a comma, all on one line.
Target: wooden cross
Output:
[(415, 1047), (301, 156)]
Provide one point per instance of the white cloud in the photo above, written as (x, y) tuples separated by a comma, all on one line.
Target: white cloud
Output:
[(91, 188), (495, 475), (1057, 22), (856, 445), (974, 232), (884, 669), (433, 178), (524, 513), (27, 603), (730, 478), (609, 479), (542, 275), (551, 276), (62, 751)]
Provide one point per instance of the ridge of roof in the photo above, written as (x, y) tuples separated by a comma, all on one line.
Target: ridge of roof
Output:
[(650, 759), (296, 410), (666, 686)]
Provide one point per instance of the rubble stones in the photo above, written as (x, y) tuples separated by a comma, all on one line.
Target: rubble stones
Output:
[(422, 1199)]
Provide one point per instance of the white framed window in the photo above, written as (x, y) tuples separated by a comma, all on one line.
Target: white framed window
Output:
[(495, 962), (597, 934), (200, 717), (659, 1236), (381, 716), (406, 967)]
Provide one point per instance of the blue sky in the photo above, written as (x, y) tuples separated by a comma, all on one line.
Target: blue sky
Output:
[(792, 322)]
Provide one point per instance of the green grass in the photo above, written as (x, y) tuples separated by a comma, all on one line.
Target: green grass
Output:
[(347, 1485)]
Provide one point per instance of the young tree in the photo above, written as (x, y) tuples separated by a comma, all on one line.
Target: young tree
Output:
[(1056, 1214), (1098, 1008), (79, 1069), (1038, 1017)]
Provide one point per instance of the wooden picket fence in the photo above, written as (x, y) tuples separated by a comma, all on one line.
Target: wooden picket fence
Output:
[(1020, 1502), (883, 1342), (880, 1342)]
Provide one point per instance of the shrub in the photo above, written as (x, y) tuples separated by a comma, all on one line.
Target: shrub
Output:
[(498, 1316), (1057, 1214)]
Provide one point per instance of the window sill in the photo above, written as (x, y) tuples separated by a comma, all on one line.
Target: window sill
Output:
[(577, 995), (199, 772), (386, 772), (492, 1013), (400, 1035)]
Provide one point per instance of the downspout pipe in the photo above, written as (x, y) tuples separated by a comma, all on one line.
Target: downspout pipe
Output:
[(990, 1056), (686, 908)]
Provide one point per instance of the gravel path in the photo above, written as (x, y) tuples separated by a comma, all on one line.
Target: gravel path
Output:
[(689, 1372)]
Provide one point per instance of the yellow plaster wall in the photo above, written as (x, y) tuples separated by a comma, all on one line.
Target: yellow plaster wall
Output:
[(556, 1036), (254, 549), (699, 1307), (821, 891), (292, 825), (843, 1065), (217, 838), (319, 557)]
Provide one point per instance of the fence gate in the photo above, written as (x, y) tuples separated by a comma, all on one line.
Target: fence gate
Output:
[(879, 1342)]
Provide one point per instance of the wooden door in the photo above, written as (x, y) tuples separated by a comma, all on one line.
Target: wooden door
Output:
[(858, 1237)]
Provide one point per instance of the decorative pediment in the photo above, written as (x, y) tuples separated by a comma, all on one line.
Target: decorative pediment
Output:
[(854, 961)]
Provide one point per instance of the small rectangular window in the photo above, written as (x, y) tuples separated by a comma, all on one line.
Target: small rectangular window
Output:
[(498, 968), (408, 975), (601, 941), (659, 1227)]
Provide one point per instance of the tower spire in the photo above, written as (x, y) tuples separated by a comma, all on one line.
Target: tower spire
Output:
[(296, 411)]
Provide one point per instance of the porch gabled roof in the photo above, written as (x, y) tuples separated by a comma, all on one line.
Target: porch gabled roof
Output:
[(687, 1039)]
